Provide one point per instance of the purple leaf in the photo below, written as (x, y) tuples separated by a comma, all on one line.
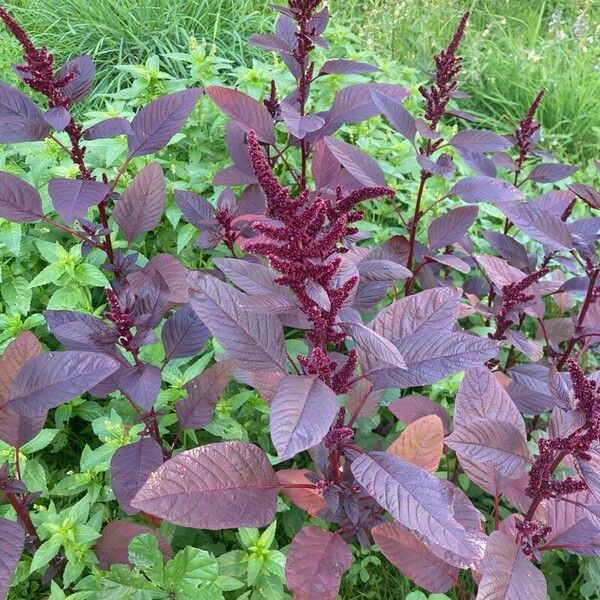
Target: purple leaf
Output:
[(590, 472), (551, 172), (316, 561), (413, 559), (360, 398), (343, 66), (15, 429), (426, 131), (356, 162), (109, 128), (12, 544), (508, 573), (302, 411), (479, 162), (141, 384), (540, 224), (444, 165), (299, 125), (113, 546), (130, 467), (324, 166), (72, 198), (513, 251), (429, 310), (58, 117), (20, 119), (196, 410), (141, 206), (377, 348), (19, 201), (529, 388), (479, 140), (252, 278), (485, 189), (254, 340), (183, 334), (451, 227), (195, 209), (167, 270), (463, 114), (481, 396), (410, 408), (83, 71), (398, 117), (246, 111), (530, 348), (432, 355), (218, 486), (505, 161), (492, 442), (242, 171), (382, 270), (587, 193), (80, 331), (54, 378), (416, 499), (452, 261), (270, 42), (156, 123)]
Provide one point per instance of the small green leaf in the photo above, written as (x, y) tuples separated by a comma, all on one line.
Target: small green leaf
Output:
[(90, 275), (45, 553)]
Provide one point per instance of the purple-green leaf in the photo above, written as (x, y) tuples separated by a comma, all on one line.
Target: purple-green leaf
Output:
[(218, 486)]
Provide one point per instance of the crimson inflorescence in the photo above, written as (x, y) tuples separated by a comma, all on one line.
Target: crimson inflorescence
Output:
[(532, 535), (554, 450), (121, 317), (525, 132), (303, 241), (447, 68), (514, 295)]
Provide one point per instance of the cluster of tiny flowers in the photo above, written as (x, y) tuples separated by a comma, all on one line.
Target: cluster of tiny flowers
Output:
[(38, 74), (339, 433), (514, 295), (553, 451), (526, 131), (120, 316), (447, 68), (301, 242), (532, 535)]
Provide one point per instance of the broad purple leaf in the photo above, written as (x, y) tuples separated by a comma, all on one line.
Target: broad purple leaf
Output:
[(270, 42), (587, 193), (15, 429), (485, 189), (481, 396), (413, 559), (156, 123), (183, 334), (218, 486), (354, 104), (582, 538), (72, 198), (12, 544), (316, 561), (141, 206), (307, 499), (551, 172), (302, 411), (479, 162), (356, 162), (540, 224), (254, 340), (529, 388), (451, 227), (324, 166), (109, 128), (20, 119), (416, 499), (377, 348), (299, 125), (426, 131), (343, 66), (19, 201), (242, 171), (590, 472), (430, 310), (112, 547), (382, 270), (196, 410), (252, 278), (511, 250), (452, 261), (361, 398), (80, 331), (508, 573), (167, 270), (413, 407), (491, 442), (80, 85), (130, 467), (141, 384), (248, 112), (58, 117), (398, 117), (479, 140), (54, 378), (432, 355), (505, 161), (443, 166)]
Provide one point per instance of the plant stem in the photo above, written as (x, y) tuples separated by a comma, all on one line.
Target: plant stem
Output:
[(23, 514), (412, 226)]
